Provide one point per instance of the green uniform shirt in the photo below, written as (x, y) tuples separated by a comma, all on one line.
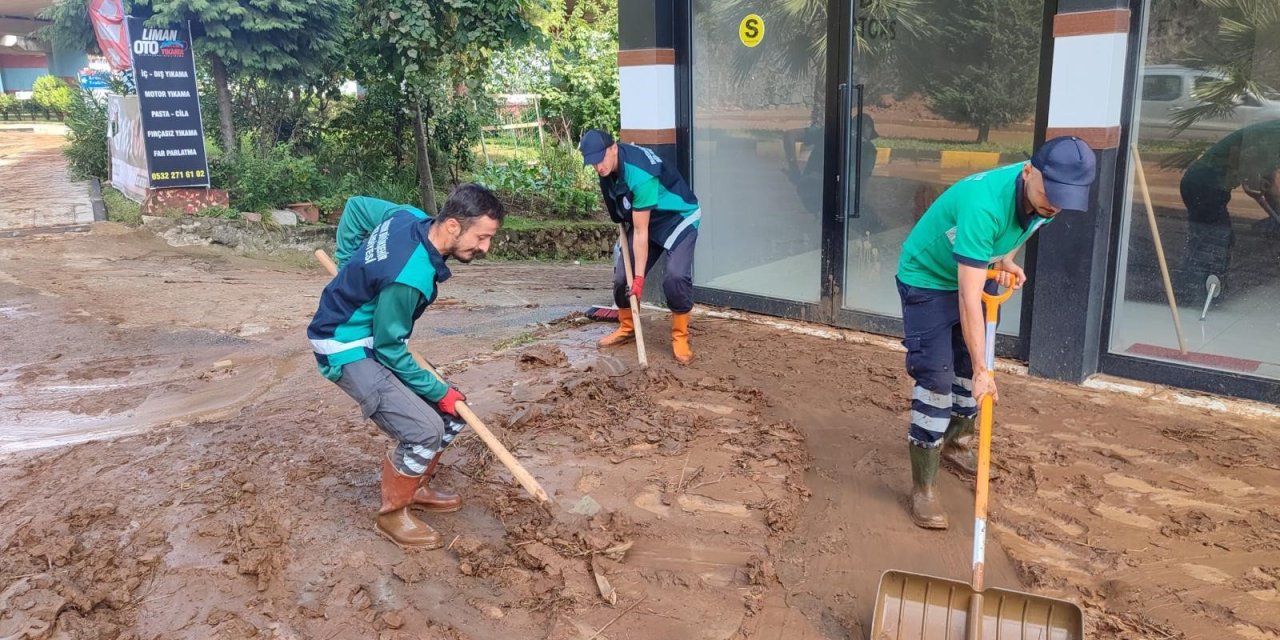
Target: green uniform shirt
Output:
[(974, 222), (1246, 156)]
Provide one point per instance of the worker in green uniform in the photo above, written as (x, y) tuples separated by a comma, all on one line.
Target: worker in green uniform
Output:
[(977, 223), (392, 259), (660, 214)]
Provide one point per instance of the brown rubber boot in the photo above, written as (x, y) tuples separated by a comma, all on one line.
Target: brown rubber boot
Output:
[(626, 331), (394, 520), (960, 448), (680, 338), (926, 509), (435, 500)]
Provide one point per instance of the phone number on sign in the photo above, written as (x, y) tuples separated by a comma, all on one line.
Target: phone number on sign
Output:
[(176, 175)]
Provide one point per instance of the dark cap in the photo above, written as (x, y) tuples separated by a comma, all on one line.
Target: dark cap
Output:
[(593, 145), (1069, 166)]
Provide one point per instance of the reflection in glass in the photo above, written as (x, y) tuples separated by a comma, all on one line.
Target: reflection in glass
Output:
[(1208, 137), (762, 225), (950, 96)]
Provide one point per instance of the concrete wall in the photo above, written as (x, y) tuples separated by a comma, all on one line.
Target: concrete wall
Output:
[(18, 72)]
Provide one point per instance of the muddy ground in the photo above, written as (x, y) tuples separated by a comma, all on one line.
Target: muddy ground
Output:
[(174, 467)]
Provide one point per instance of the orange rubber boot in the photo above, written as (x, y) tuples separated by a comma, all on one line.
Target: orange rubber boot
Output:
[(680, 338), (626, 331)]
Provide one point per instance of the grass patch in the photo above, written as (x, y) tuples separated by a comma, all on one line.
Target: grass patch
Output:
[(519, 340), (919, 144), (120, 208), (501, 152)]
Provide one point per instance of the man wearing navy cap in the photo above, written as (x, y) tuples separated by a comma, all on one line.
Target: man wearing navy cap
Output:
[(977, 223), (660, 214)]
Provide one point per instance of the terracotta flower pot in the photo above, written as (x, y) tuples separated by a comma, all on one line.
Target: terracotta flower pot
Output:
[(306, 211)]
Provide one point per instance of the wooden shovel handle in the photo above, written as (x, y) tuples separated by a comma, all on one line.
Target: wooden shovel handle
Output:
[(509, 461), (634, 299)]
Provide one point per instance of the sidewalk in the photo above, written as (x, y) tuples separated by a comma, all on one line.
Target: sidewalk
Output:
[(37, 191)]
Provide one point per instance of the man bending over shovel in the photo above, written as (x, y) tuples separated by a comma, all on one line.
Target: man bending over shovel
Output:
[(977, 223), (660, 213), (391, 260)]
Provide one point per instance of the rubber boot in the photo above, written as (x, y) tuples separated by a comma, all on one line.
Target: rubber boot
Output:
[(960, 448), (926, 509), (394, 520), (626, 331), (680, 338), (435, 500)]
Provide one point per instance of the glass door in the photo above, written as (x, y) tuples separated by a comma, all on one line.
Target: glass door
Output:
[(938, 90), (759, 123)]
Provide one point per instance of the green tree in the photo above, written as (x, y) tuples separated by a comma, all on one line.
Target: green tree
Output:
[(435, 48), (52, 93), (288, 42), (582, 84), (68, 26), (989, 79)]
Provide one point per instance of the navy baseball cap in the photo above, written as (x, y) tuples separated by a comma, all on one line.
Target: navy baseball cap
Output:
[(1069, 166), (593, 145)]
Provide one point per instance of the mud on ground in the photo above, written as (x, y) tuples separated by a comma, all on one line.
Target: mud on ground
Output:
[(756, 494)]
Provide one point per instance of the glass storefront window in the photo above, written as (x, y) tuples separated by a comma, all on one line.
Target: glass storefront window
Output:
[(1207, 136), (947, 89), (761, 230)]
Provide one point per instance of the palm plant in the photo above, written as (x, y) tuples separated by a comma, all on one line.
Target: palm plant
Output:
[(799, 57), (1244, 61)]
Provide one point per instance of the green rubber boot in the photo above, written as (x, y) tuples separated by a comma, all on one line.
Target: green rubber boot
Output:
[(960, 447), (926, 508)]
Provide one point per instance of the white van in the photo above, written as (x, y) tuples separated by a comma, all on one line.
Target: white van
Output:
[(1166, 90)]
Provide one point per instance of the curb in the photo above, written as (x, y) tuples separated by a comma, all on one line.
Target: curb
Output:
[(95, 198), (1097, 382)]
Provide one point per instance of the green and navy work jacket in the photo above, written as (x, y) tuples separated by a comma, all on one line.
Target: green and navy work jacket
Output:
[(644, 182), (388, 275)]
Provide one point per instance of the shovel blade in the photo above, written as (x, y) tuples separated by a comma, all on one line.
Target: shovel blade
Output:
[(913, 606)]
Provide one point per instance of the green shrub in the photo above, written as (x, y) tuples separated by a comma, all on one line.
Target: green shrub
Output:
[(557, 186), (257, 182), (7, 103), (52, 94), (31, 109), (400, 189), (455, 132), (120, 208), (86, 149), (219, 212), (364, 133)]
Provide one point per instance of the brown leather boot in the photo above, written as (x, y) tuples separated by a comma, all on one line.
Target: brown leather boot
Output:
[(394, 520), (626, 331), (960, 448), (680, 338), (926, 509), (435, 500)]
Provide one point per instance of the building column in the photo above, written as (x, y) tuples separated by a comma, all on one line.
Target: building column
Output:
[(1091, 53), (66, 64), (647, 75)]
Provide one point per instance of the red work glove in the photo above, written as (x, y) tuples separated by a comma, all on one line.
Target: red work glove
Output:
[(449, 403), (637, 286)]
